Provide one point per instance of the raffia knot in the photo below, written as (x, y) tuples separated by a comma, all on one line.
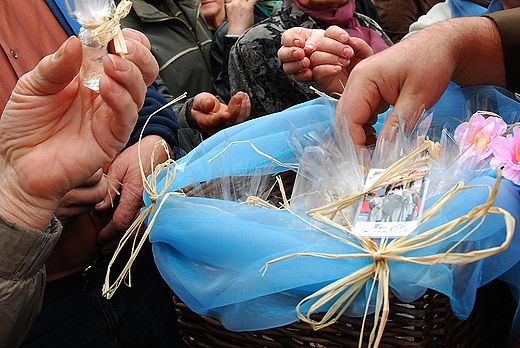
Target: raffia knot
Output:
[(377, 256), (153, 196), (109, 28)]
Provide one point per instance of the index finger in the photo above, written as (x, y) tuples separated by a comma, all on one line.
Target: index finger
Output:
[(139, 53), (295, 36), (313, 41), (136, 35), (406, 111), (337, 33), (290, 54), (360, 103)]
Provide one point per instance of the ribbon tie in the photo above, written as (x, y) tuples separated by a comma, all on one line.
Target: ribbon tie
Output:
[(109, 28)]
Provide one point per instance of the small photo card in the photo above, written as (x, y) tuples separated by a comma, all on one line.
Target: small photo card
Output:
[(394, 210)]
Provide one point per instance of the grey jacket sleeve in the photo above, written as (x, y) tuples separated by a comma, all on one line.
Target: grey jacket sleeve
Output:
[(23, 252)]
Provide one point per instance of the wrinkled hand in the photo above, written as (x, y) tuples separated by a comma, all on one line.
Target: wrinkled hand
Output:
[(240, 16), (124, 175), (55, 133), (415, 72), (323, 56), (212, 116), (83, 198)]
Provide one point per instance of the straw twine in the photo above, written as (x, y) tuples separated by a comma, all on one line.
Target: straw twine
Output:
[(150, 186), (109, 28)]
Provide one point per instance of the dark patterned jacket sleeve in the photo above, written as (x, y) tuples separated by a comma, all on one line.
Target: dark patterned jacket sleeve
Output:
[(254, 67)]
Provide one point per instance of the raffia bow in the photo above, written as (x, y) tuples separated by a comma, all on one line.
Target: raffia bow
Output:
[(109, 28), (343, 291), (132, 234)]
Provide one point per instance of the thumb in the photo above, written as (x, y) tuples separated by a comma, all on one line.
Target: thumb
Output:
[(209, 104), (55, 72)]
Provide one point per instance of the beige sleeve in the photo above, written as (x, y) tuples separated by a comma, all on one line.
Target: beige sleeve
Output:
[(23, 252)]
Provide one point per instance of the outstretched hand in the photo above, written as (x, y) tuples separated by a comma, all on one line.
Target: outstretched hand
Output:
[(212, 116), (55, 133), (124, 176), (415, 72)]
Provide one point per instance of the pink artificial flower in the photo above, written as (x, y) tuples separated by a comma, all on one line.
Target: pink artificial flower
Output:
[(506, 152), (474, 137)]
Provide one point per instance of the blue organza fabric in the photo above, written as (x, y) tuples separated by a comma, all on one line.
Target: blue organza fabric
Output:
[(212, 252)]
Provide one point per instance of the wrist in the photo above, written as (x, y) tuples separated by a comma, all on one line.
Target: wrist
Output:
[(157, 152), (237, 30), (478, 53), (21, 208)]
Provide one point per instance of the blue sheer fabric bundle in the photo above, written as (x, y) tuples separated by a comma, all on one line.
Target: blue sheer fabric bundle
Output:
[(213, 252)]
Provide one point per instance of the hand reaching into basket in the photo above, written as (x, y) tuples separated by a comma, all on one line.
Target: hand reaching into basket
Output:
[(323, 56), (416, 71)]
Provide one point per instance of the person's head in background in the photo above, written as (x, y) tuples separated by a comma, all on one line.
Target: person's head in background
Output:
[(214, 11)]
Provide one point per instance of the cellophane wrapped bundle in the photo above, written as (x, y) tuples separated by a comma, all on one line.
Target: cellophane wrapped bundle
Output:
[(99, 20)]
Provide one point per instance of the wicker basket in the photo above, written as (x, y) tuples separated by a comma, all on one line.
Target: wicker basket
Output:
[(426, 322)]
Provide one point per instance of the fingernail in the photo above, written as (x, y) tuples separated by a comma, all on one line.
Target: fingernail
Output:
[(344, 61), (343, 37), (348, 52), (130, 46), (99, 205), (131, 34), (119, 63), (61, 50)]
